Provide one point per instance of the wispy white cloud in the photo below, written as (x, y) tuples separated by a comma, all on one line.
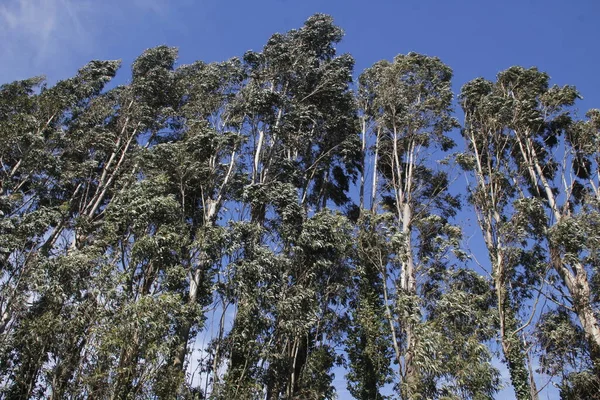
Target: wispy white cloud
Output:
[(45, 34), (37, 28)]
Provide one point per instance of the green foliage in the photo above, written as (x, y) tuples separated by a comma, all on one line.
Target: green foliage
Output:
[(192, 234)]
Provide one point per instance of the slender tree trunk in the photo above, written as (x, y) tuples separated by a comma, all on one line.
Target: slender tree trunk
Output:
[(403, 190), (489, 219), (363, 164), (126, 369), (579, 289), (409, 288), (198, 274), (576, 281), (375, 172), (511, 344)]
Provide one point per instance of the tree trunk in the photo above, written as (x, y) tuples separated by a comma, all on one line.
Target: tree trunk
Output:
[(511, 344), (579, 289)]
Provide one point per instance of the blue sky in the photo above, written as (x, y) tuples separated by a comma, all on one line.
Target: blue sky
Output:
[(475, 37)]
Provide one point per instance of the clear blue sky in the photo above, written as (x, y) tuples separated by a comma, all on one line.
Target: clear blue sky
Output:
[(475, 37)]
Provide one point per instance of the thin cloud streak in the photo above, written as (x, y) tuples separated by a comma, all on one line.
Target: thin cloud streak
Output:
[(37, 27), (49, 34)]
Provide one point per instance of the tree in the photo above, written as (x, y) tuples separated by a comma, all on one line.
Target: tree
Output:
[(407, 107), (504, 221), (38, 195), (525, 121)]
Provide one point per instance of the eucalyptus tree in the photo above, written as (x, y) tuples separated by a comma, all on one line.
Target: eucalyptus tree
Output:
[(39, 197), (301, 114), (299, 121), (202, 153), (411, 108), (541, 121), (578, 243), (406, 112), (368, 342), (140, 230), (533, 186), (89, 263), (567, 183), (163, 229), (34, 145), (503, 220)]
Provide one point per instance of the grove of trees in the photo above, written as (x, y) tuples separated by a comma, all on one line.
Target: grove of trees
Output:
[(247, 228)]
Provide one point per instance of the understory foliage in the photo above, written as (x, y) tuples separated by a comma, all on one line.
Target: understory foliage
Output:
[(265, 227)]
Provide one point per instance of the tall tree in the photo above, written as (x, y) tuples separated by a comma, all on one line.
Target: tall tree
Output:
[(38, 197), (203, 173), (407, 107), (299, 117), (503, 220), (553, 189)]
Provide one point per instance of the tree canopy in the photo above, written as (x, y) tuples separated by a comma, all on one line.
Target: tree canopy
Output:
[(248, 229)]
